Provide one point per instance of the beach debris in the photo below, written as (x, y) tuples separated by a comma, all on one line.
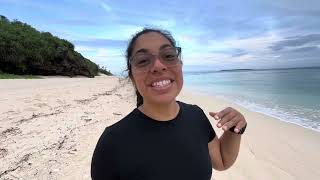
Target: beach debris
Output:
[(3, 152), (40, 105), (9, 171), (11, 131), (86, 118), (107, 93), (61, 142), (19, 164), (10, 112), (96, 96), (117, 114), (39, 115), (25, 158), (85, 101)]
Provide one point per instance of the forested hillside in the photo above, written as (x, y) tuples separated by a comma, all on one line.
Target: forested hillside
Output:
[(25, 50)]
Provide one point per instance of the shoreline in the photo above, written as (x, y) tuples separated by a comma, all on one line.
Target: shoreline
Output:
[(256, 108)]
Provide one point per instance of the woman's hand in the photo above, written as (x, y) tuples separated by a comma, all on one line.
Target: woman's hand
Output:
[(228, 118)]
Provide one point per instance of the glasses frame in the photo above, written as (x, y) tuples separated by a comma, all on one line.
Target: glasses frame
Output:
[(178, 49)]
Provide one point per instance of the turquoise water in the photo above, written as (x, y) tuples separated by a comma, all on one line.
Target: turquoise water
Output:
[(292, 95)]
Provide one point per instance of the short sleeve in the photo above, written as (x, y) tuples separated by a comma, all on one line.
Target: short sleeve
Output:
[(103, 164), (211, 134)]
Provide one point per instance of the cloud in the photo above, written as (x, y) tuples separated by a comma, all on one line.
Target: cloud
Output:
[(295, 41), (307, 49), (106, 7), (310, 7), (232, 52), (101, 43)]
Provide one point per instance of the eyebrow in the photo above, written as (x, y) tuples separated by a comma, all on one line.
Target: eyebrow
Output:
[(143, 50)]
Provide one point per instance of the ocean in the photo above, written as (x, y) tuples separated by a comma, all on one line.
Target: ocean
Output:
[(291, 95)]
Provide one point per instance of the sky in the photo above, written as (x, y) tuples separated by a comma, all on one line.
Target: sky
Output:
[(213, 34)]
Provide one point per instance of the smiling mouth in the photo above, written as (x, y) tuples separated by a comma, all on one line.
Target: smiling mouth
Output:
[(161, 83)]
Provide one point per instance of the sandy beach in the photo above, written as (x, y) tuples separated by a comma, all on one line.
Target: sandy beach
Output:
[(49, 129)]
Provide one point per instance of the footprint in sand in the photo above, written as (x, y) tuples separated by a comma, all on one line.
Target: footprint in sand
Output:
[(89, 112), (62, 102), (2, 100), (37, 97), (9, 112), (12, 112), (27, 100), (29, 109), (40, 105)]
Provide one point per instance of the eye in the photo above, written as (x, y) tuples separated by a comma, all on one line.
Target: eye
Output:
[(142, 60), (169, 55)]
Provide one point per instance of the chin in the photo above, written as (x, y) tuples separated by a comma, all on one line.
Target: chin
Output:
[(164, 98)]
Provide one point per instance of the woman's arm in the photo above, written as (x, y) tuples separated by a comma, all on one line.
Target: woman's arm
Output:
[(224, 150)]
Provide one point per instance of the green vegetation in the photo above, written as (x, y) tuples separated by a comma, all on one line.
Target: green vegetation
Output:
[(14, 76), (24, 50), (105, 71)]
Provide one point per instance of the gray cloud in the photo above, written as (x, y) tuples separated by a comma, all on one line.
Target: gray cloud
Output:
[(239, 53), (302, 56), (296, 41), (314, 49), (232, 52)]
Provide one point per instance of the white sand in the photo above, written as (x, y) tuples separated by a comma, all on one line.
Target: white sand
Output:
[(49, 129)]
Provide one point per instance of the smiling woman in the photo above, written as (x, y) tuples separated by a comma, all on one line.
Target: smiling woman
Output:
[(163, 138)]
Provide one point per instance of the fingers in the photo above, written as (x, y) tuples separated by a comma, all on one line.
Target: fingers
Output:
[(221, 114), (226, 118), (213, 114), (239, 126), (224, 112), (230, 123)]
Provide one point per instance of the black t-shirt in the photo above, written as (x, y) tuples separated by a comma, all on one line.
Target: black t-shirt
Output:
[(140, 148)]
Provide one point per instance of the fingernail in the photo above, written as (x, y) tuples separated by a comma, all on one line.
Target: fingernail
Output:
[(224, 127), (236, 130), (219, 124), (216, 117)]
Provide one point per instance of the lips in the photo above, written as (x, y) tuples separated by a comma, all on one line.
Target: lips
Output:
[(161, 85)]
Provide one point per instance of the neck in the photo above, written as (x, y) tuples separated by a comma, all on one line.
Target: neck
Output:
[(160, 112)]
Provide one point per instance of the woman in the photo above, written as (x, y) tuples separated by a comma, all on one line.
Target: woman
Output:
[(162, 138)]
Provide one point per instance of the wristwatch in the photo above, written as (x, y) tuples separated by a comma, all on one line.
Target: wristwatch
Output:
[(241, 130)]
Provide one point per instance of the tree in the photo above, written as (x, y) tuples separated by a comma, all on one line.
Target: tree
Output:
[(24, 50)]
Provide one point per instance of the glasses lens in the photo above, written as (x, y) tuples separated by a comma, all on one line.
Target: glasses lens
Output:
[(141, 61), (170, 56)]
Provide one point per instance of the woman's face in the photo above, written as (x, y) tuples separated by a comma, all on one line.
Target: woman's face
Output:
[(159, 84)]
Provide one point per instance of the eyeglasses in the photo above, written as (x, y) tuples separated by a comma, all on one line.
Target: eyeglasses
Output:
[(144, 61)]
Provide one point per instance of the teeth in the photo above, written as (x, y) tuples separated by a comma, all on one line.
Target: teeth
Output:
[(160, 83)]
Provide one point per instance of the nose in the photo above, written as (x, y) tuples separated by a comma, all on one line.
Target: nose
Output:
[(158, 66)]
